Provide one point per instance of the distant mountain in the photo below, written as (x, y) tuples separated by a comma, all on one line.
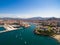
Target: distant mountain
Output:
[(33, 18), (53, 18), (36, 18), (8, 18)]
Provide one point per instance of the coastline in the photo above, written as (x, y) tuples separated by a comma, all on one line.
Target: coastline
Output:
[(57, 37), (10, 28), (38, 33)]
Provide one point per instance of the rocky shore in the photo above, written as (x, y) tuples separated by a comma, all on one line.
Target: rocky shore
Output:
[(38, 33), (55, 36)]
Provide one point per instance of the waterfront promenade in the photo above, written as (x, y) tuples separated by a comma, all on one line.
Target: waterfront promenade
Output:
[(8, 28), (11, 28)]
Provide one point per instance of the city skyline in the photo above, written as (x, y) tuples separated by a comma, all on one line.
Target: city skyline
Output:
[(29, 8)]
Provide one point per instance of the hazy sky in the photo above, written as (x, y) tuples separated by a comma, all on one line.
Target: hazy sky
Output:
[(29, 8)]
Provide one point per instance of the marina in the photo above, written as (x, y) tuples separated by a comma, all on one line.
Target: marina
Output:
[(29, 22), (12, 27), (25, 37)]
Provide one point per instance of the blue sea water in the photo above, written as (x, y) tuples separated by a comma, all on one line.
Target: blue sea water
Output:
[(25, 36), (2, 28)]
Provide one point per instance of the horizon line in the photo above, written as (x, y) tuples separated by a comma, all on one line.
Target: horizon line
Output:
[(29, 17)]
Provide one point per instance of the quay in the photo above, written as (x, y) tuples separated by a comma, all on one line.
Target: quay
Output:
[(11, 28), (8, 28)]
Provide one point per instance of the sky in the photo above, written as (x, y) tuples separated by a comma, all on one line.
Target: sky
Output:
[(29, 8)]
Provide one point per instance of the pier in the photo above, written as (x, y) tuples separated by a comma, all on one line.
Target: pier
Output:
[(11, 28), (8, 28)]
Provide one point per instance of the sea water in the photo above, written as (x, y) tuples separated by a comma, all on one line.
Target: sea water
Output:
[(25, 36)]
